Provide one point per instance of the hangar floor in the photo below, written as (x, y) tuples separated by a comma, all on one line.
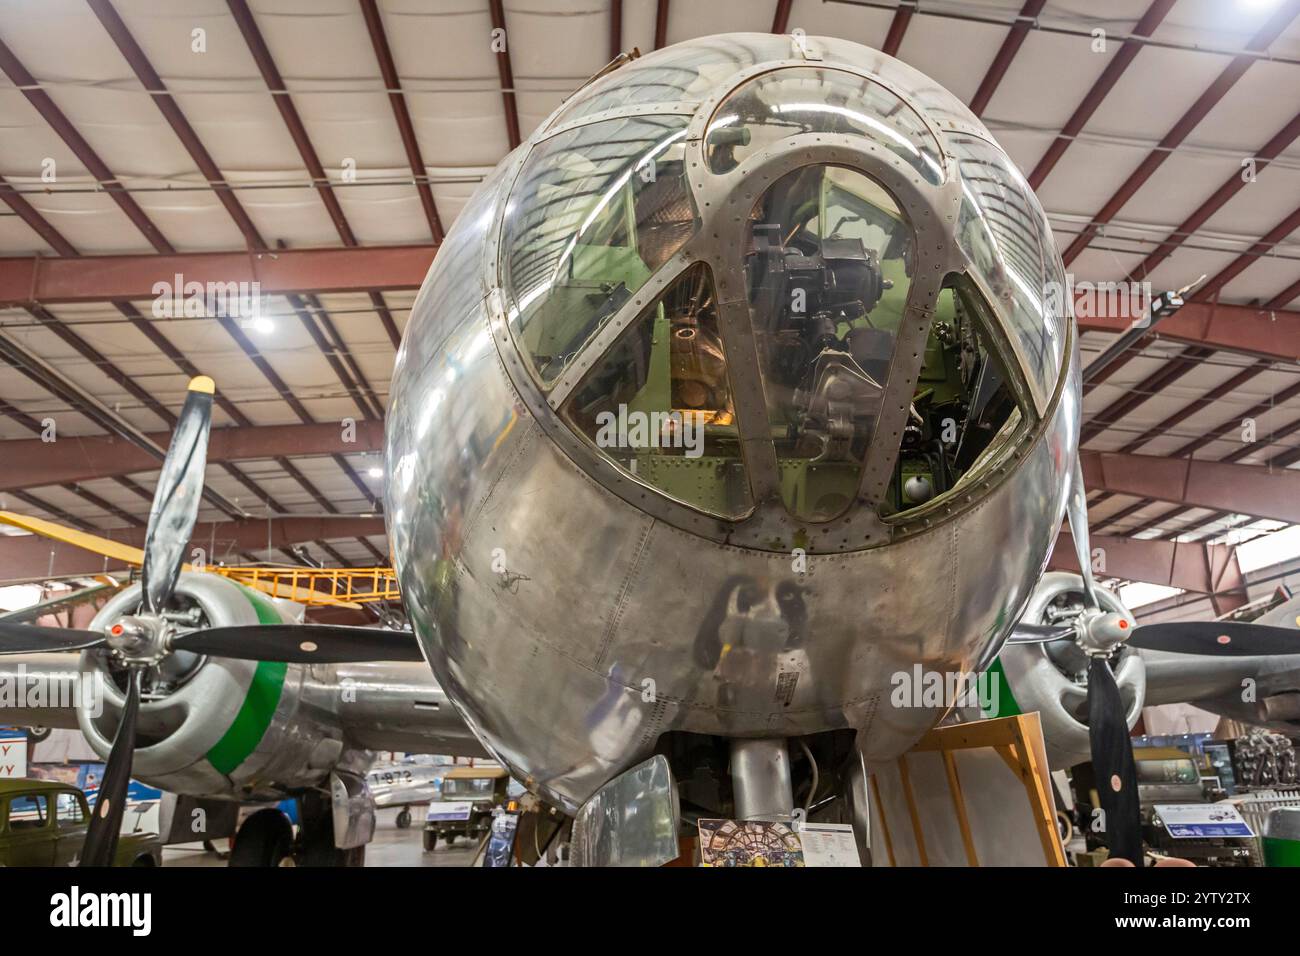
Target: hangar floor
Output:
[(390, 847)]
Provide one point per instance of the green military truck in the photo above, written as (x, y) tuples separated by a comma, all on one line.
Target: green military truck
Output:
[(44, 823)]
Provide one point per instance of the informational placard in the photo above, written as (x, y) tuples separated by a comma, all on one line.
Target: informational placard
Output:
[(450, 810), (1201, 820), (828, 844), (13, 754), (757, 843)]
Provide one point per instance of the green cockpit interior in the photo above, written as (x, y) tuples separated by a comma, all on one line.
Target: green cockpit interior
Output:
[(828, 268)]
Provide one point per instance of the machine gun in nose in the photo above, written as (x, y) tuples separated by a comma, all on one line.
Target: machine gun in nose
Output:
[(817, 296)]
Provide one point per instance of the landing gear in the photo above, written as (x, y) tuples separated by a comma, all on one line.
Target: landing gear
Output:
[(316, 835), (404, 818), (760, 778), (264, 839)]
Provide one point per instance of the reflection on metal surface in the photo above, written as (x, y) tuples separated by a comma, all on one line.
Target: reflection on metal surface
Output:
[(760, 776), (577, 611), (1004, 232), (631, 821), (595, 212), (353, 810), (777, 105)]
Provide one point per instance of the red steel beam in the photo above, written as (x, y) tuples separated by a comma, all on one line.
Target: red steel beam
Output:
[(149, 78), (1285, 297), (405, 128), (298, 132), (1255, 490), (1136, 396), (1248, 258), (1263, 156), (1222, 431), (289, 113), (781, 18), (92, 162), (1192, 566), (897, 28), (661, 24), (1153, 17), (615, 29), (52, 115), (19, 492), (31, 557), (33, 462), (286, 393), (33, 280), (506, 74), (1006, 53), (1170, 422), (1234, 71), (1263, 332), (25, 211)]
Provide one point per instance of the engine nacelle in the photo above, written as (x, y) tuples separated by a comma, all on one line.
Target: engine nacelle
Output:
[(1051, 678), (215, 726)]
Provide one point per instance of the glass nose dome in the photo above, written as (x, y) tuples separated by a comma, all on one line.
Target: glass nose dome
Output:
[(723, 373), (777, 105), (594, 213)]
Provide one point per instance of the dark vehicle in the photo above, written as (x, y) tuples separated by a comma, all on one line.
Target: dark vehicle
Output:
[(465, 803), (44, 823)]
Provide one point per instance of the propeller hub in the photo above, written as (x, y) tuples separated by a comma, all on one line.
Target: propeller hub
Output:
[(1101, 633), (139, 638)]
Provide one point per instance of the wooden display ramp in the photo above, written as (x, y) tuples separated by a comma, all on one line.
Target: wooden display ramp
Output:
[(976, 794)]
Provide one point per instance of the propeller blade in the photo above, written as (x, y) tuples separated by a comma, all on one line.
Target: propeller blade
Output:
[(28, 638), (302, 643), (176, 499), (106, 821), (1217, 638), (1077, 509), (1112, 763), (1040, 633)]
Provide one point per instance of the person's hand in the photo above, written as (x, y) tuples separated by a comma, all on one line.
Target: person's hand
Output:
[(1163, 861)]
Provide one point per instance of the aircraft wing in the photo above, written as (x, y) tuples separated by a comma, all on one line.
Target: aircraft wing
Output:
[(39, 690), (106, 589), (399, 706), (1261, 690)]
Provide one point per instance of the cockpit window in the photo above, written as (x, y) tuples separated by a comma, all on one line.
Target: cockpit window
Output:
[(829, 267), (784, 103), (1002, 230), (659, 403), (966, 406), (595, 211)]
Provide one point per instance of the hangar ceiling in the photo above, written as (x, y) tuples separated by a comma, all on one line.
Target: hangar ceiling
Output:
[(328, 144)]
